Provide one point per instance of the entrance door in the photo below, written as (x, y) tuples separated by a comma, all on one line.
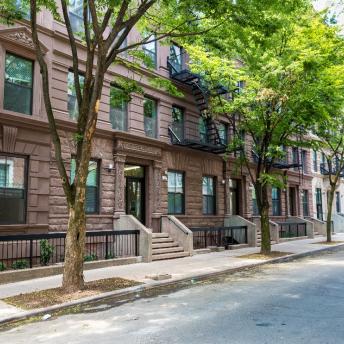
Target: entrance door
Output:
[(234, 197), (135, 195), (292, 201), (318, 203)]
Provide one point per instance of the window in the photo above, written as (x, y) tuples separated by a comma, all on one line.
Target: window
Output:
[(315, 161), (284, 157), (318, 203), (305, 204), (295, 156), (208, 193), (338, 205), (13, 175), (240, 86), (76, 17), (222, 129), (203, 130), (176, 58), (178, 122), (118, 109), (175, 192), (92, 185), (276, 201), (150, 116), (255, 210), (124, 44), (150, 51), (73, 108), (304, 161), (18, 84)]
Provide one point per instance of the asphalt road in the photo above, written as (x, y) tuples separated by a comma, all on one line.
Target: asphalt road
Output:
[(298, 302)]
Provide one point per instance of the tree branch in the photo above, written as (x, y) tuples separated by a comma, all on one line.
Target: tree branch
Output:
[(74, 52), (46, 95)]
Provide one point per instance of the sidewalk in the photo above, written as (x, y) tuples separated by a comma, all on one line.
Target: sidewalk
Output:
[(178, 268)]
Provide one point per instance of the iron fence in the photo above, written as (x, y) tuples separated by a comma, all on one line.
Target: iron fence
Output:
[(29, 250), (219, 236), (292, 229)]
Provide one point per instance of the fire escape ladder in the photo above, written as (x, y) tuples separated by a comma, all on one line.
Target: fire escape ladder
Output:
[(213, 132)]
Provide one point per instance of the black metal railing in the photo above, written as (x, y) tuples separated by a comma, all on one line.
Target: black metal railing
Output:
[(204, 237), (29, 250), (325, 169), (292, 229)]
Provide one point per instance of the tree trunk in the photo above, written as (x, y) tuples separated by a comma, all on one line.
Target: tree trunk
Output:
[(264, 207), (73, 278), (329, 214)]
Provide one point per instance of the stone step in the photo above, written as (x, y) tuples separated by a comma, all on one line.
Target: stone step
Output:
[(167, 250), (161, 240), (160, 235), (165, 245), (170, 255)]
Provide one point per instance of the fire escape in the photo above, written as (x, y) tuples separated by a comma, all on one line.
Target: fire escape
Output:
[(326, 170), (210, 140), (281, 164)]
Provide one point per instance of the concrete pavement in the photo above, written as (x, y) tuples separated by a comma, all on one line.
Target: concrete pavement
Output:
[(178, 268), (300, 302)]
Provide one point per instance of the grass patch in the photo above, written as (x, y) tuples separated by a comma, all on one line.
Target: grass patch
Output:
[(50, 297), (327, 243), (273, 254)]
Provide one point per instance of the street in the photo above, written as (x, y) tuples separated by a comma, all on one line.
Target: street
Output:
[(297, 302)]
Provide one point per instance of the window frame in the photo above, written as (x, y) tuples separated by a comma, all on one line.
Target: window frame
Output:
[(149, 52), (174, 193), (80, 17), (182, 122), (98, 162), (26, 185), (225, 130), (274, 200), (178, 66), (80, 74), (207, 197), (155, 101), (255, 210), (126, 119), (305, 202), (10, 52), (315, 161), (304, 161), (338, 202)]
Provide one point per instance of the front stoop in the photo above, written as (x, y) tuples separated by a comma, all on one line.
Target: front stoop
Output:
[(164, 247)]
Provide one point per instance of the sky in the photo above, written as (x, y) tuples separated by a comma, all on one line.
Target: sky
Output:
[(335, 6)]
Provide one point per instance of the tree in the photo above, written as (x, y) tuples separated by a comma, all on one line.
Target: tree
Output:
[(283, 52), (330, 141), (106, 25)]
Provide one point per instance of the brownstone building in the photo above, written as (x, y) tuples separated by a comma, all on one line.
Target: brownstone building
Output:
[(153, 156)]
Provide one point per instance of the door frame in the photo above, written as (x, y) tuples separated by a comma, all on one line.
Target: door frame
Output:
[(143, 192)]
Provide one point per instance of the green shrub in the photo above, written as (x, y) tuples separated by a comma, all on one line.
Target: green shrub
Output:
[(20, 264), (90, 257), (2, 266), (47, 251)]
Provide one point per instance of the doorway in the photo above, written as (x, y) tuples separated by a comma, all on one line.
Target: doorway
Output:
[(292, 201), (135, 191), (233, 197)]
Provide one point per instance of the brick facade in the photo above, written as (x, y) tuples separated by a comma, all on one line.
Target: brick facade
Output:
[(29, 136)]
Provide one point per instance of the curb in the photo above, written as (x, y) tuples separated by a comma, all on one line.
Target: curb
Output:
[(134, 291), (13, 276)]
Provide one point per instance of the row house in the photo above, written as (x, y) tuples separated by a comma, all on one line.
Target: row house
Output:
[(153, 157), (321, 188)]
